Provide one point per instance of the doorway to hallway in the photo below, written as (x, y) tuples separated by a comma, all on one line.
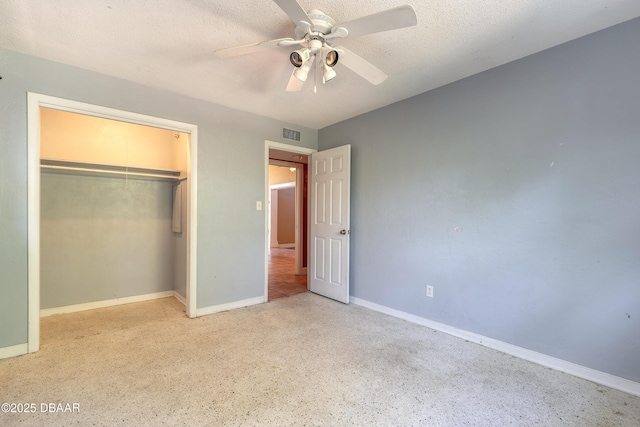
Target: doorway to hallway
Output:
[(326, 184), (286, 245)]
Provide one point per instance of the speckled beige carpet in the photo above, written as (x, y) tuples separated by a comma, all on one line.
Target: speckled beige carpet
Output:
[(297, 361)]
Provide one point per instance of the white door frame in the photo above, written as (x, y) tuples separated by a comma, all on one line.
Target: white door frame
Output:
[(34, 102), (291, 149)]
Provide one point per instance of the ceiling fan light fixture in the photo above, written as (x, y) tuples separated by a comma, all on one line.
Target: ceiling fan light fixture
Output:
[(299, 57), (328, 73), (330, 57), (302, 72)]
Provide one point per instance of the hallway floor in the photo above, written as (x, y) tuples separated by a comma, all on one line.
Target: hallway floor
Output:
[(282, 280)]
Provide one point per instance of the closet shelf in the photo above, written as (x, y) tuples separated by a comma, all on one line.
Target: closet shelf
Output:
[(98, 169)]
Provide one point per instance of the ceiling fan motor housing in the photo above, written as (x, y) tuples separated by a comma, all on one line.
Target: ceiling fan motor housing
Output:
[(320, 23)]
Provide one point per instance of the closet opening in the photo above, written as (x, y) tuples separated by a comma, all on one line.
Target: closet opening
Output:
[(111, 209)]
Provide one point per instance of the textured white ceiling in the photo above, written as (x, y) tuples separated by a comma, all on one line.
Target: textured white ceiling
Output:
[(169, 44)]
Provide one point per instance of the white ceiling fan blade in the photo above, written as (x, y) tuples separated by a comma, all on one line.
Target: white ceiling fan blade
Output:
[(361, 66), (290, 42), (294, 84), (398, 17), (250, 48), (293, 9)]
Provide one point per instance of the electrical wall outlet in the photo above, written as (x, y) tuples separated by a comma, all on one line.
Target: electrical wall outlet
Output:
[(430, 291)]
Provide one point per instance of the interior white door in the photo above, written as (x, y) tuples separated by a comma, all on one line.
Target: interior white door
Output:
[(329, 223)]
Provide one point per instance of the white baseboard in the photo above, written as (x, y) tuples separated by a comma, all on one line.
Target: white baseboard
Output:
[(180, 298), (101, 304), (229, 306), (13, 351), (580, 371)]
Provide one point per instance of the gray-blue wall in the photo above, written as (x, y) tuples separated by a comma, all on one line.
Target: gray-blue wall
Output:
[(231, 174), (103, 238), (516, 194)]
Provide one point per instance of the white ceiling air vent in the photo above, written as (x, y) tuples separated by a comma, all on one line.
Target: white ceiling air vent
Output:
[(293, 135)]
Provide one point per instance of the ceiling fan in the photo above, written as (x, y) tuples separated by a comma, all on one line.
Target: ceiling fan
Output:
[(316, 33)]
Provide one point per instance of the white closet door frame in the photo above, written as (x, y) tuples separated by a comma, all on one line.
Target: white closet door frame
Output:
[(34, 102)]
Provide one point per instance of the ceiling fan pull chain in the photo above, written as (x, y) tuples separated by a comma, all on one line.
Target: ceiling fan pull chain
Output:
[(315, 78)]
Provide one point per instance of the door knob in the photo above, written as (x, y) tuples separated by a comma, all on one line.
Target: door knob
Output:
[(343, 232)]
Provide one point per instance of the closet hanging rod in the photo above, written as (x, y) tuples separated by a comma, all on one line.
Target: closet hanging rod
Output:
[(112, 172)]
